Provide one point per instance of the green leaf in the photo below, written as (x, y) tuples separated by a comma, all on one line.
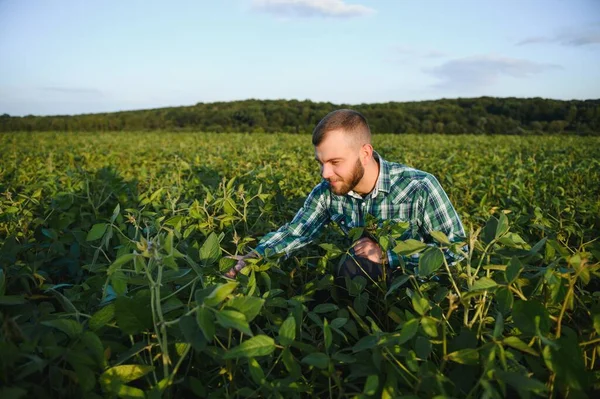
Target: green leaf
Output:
[(225, 264), (409, 247), (197, 387), (50, 233), (219, 293), (483, 283), (250, 306), (422, 347), (513, 270), (565, 358), (287, 331), (366, 342), (96, 232), (440, 237), (116, 212), (114, 378), (102, 317), (430, 261), (409, 329), (361, 303), (134, 315), (398, 282), (339, 322), (260, 345), (233, 319), (515, 342), (488, 233), (210, 252), (371, 385), (429, 325), (316, 359), (521, 382), (513, 240), (526, 314), (343, 358), (118, 281), (290, 363), (256, 372), (93, 343), (327, 337), (202, 293), (205, 320), (168, 246), (502, 226), (192, 333), (325, 308), (420, 304), (332, 250), (356, 285), (464, 356), (498, 326), (596, 321), (121, 260), (505, 300), (70, 327), (86, 378)]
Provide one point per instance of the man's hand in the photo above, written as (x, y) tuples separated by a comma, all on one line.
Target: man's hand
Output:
[(367, 248), (241, 263)]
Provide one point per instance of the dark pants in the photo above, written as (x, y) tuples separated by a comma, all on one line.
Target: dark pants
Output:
[(357, 266), (351, 268)]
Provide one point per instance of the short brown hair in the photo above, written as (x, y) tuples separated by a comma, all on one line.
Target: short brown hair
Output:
[(350, 121)]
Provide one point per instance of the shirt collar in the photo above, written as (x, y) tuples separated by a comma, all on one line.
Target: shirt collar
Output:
[(383, 181)]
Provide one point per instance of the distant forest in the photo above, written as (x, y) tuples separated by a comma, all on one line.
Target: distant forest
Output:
[(484, 115)]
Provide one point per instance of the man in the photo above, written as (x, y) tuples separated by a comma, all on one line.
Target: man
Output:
[(357, 182)]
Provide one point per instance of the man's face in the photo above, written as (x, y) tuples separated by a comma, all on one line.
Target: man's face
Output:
[(340, 162)]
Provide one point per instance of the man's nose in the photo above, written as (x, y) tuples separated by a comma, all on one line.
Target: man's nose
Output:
[(326, 171)]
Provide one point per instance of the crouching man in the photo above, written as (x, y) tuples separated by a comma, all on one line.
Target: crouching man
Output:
[(357, 181)]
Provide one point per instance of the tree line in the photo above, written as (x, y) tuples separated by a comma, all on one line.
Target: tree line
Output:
[(484, 115)]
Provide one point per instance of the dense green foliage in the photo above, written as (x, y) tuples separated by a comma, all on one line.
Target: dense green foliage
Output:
[(112, 249), (486, 115)]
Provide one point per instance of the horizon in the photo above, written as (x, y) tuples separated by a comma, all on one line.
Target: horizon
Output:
[(73, 58), (293, 99)]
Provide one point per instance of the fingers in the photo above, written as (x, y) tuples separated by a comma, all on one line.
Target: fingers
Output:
[(231, 273), (365, 245), (239, 265), (367, 248)]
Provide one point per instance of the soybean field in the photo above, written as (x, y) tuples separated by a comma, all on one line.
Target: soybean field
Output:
[(113, 248)]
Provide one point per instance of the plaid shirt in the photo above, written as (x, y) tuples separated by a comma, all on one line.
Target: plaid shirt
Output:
[(400, 194)]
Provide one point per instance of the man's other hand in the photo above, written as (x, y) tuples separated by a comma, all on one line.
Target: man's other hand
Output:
[(367, 248), (241, 263)]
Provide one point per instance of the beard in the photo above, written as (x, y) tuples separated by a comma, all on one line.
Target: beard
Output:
[(345, 186)]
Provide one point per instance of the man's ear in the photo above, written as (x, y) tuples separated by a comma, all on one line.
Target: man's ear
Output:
[(366, 152)]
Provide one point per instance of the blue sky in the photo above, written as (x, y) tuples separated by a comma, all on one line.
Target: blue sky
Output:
[(71, 57)]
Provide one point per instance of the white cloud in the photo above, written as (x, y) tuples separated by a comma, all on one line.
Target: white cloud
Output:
[(566, 38), (484, 70), (311, 8), (412, 52)]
